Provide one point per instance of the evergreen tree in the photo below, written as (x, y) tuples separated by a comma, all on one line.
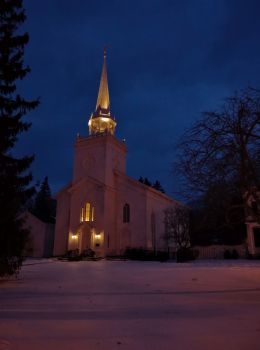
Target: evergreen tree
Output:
[(44, 205), (141, 179), (157, 186), (147, 182), (14, 176)]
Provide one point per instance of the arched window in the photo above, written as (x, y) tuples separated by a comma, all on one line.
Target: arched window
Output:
[(87, 216), (81, 214), (87, 213), (126, 213)]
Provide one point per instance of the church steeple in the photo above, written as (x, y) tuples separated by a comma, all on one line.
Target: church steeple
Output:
[(101, 121), (103, 94)]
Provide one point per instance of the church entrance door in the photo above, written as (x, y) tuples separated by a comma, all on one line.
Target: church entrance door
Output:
[(85, 242)]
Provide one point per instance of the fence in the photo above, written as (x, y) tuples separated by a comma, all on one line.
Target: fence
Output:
[(217, 251)]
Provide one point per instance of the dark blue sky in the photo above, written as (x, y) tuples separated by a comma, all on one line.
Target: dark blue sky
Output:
[(167, 62)]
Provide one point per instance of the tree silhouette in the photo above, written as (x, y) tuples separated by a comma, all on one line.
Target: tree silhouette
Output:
[(147, 182), (14, 176), (141, 179), (157, 186), (221, 152), (177, 226), (44, 205)]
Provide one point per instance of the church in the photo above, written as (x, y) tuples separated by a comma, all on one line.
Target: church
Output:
[(102, 208)]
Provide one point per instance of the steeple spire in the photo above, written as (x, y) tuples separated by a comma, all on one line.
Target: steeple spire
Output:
[(103, 94), (101, 121)]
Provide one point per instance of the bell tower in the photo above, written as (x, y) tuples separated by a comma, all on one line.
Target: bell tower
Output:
[(100, 154), (101, 121)]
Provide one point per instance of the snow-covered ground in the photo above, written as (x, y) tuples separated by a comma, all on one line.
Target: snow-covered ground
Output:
[(132, 305)]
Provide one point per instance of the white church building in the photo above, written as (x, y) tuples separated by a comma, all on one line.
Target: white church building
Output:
[(102, 208)]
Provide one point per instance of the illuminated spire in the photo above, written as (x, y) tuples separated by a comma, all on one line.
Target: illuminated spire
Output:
[(103, 94), (101, 121)]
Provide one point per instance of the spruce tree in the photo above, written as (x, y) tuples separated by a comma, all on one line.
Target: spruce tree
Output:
[(141, 179), (157, 186), (44, 205), (147, 182), (15, 177)]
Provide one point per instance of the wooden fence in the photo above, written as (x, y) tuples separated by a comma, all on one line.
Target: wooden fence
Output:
[(217, 251)]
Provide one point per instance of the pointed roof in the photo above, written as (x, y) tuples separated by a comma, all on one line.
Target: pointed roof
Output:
[(101, 121), (103, 94)]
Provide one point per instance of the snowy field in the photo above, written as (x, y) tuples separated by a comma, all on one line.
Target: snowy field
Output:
[(131, 305)]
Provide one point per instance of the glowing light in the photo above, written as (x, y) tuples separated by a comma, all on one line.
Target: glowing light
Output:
[(82, 215), (74, 236), (102, 124), (97, 235), (87, 213), (87, 217)]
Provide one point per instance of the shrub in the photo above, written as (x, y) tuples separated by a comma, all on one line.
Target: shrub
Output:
[(145, 255), (231, 254), (234, 254), (186, 254), (227, 254), (10, 265), (73, 255), (88, 253)]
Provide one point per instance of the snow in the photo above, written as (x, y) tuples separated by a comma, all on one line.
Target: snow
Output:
[(131, 305)]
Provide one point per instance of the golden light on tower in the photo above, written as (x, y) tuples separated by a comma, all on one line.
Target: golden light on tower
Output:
[(101, 121)]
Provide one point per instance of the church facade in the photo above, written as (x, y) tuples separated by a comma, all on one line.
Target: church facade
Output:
[(102, 208)]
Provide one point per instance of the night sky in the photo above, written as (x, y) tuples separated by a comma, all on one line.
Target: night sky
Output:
[(167, 62)]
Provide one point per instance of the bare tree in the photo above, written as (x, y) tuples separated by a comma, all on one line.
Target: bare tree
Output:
[(176, 221), (223, 148)]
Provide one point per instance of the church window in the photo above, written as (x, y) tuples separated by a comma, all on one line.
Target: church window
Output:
[(87, 213), (81, 214), (87, 217), (126, 213)]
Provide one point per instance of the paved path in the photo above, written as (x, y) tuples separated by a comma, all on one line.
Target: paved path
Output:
[(131, 305)]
